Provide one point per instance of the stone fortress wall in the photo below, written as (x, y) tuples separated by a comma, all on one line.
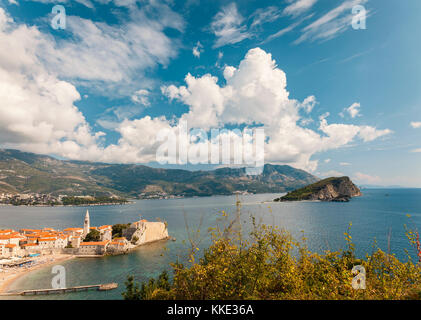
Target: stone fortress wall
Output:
[(144, 232)]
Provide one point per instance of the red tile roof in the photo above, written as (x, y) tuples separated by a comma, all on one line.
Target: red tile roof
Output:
[(98, 243)]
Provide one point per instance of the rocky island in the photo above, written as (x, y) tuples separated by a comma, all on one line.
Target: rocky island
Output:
[(331, 189)]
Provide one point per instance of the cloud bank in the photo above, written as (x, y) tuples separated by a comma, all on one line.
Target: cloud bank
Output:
[(255, 94), (38, 111)]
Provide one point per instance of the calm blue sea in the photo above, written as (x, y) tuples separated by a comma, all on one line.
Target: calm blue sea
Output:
[(372, 217)]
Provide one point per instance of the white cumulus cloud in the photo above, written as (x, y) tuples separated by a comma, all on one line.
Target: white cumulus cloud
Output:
[(38, 112), (255, 93), (353, 110), (416, 124)]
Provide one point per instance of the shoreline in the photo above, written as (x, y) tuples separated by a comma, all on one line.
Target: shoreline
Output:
[(8, 278), (69, 205)]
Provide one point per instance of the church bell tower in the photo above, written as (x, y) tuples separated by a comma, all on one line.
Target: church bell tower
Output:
[(86, 224)]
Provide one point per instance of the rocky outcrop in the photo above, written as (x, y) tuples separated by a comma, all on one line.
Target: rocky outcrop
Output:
[(142, 232), (332, 189)]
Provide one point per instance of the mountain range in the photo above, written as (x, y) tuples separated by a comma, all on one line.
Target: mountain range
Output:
[(22, 172)]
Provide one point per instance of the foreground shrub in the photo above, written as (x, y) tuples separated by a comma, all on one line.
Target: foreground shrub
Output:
[(272, 265)]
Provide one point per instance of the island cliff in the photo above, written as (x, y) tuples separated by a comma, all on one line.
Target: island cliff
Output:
[(332, 189)]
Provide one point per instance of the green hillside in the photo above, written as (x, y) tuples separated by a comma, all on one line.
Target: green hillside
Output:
[(330, 189), (22, 172)]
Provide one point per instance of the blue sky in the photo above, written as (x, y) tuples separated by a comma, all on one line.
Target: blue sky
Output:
[(332, 100)]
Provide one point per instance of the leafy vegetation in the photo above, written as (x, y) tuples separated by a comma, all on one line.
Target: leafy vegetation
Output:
[(31, 202), (77, 201), (306, 192), (153, 287), (117, 229), (134, 240), (270, 264), (132, 290), (92, 236)]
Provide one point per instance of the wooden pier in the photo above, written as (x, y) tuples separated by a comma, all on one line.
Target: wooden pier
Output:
[(99, 287)]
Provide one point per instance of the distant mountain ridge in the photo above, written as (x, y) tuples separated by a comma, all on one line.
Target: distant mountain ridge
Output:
[(22, 172)]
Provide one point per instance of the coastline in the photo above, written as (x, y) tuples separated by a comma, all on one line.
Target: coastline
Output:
[(11, 276), (69, 205), (8, 278)]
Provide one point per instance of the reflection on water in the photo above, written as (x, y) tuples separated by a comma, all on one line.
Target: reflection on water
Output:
[(323, 224)]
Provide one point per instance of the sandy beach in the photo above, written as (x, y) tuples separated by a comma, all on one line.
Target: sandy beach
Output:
[(10, 275)]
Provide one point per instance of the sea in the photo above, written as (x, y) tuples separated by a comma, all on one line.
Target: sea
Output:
[(378, 218)]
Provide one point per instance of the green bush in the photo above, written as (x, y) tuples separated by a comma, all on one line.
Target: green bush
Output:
[(270, 264), (117, 229), (79, 201), (134, 240), (93, 235)]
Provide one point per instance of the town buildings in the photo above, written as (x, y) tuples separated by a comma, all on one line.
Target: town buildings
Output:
[(26, 242)]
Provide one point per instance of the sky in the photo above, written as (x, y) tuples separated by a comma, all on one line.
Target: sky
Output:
[(332, 98)]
